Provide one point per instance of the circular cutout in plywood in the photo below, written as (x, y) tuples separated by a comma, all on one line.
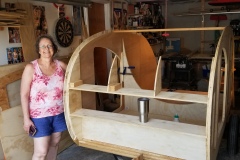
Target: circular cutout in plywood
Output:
[(64, 32)]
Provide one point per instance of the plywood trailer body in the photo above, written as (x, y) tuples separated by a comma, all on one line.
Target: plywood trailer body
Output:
[(202, 116)]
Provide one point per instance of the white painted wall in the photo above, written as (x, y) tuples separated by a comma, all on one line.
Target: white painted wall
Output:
[(51, 17)]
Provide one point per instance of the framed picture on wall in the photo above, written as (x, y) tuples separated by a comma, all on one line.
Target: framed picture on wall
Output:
[(119, 19), (40, 22), (14, 55), (14, 35), (76, 20)]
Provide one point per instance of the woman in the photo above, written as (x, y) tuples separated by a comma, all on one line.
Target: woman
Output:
[(42, 99)]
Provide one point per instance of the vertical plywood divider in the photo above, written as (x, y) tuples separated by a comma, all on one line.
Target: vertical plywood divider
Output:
[(123, 60), (113, 75), (158, 78), (123, 56)]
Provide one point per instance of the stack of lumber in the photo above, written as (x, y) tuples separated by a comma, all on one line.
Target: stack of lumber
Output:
[(12, 17)]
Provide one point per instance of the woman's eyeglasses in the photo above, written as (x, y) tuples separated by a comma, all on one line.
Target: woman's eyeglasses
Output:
[(45, 47)]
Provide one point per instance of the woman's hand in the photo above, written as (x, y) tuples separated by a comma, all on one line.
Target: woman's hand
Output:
[(27, 124)]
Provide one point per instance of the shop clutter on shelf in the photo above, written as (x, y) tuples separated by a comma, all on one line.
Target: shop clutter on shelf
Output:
[(145, 15)]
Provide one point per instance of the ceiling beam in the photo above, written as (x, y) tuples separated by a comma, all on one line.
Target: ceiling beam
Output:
[(81, 3)]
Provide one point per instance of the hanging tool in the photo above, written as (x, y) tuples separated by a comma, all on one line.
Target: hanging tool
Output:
[(125, 70)]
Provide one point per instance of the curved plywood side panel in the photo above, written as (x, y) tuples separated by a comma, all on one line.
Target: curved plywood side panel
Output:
[(158, 78), (214, 125)]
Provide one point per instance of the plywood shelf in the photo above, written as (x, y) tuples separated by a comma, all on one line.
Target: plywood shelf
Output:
[(182, 128), (163, 95)]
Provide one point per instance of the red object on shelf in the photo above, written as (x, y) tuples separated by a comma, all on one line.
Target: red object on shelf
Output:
[(165, 34), (218, 17), (223, 2)]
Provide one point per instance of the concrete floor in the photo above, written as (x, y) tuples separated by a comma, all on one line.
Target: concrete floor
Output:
[(223, 154), (75, 152)]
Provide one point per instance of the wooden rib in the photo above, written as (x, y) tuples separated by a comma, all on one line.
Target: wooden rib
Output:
[(113, 74), (158, 78)]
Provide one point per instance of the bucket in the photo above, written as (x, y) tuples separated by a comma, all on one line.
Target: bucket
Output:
[(205, 71)]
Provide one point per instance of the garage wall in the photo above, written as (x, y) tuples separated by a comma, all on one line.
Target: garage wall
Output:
[(192, 40)]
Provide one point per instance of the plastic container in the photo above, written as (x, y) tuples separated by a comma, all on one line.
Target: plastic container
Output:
[(176, 118)]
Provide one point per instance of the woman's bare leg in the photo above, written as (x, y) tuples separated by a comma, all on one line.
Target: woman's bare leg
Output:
[(53, 146), (41, 146)]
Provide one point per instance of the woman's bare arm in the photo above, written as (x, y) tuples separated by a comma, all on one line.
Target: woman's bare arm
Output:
[(27, 77)]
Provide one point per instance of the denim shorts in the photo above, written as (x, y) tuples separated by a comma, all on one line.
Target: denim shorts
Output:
[(48, 125)]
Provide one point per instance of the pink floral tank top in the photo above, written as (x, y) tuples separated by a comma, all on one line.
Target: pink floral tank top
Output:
[(46, 94)]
